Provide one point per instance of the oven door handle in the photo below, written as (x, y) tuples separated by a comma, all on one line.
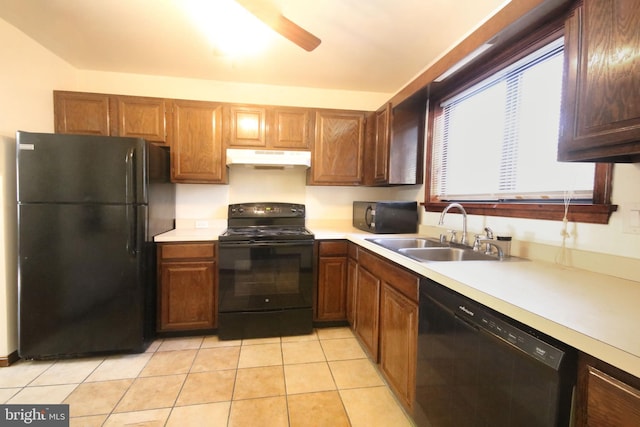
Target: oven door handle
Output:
[(262, 243)]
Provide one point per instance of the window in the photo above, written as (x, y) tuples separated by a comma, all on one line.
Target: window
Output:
[(494, 138), (497, 140)]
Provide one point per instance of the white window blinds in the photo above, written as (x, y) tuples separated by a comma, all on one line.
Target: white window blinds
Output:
[(497, 140)]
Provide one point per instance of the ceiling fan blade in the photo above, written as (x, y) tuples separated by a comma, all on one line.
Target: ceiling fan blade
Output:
[(268, 14)]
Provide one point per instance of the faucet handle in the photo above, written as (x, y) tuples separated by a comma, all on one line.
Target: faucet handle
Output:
[(488, 232), (454, 238), (476, 242)]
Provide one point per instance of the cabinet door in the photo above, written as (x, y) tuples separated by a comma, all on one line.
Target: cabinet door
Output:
[(606, 396), (352, 279), (332, 280), (187, 295), (290, 128), (398, 342), (332, 288), (81, 113), (611, 402), (245, 126), (139, 117), (197, 153), (368, 310), (381, 146), (338, 148), (406, 142), (600, 119)]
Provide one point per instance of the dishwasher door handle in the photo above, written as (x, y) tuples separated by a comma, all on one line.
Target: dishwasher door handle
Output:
[(466, 324)]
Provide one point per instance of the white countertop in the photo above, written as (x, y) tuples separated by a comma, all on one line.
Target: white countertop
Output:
[(592, 312)]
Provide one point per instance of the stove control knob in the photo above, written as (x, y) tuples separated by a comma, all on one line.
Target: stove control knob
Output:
[(266, 300)]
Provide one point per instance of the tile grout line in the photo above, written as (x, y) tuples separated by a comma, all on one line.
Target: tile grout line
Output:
[(175, 400), (132, 382)]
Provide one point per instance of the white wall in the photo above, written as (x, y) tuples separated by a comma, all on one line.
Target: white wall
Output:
[(27, 75), (209, 90)]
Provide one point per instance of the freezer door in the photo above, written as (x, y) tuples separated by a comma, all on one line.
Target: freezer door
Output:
[(81, 169), (82, 279)]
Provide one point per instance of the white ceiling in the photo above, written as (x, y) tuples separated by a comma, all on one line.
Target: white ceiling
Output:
[(367, 45)]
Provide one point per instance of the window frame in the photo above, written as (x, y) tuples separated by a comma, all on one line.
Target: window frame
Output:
[(597, 212)]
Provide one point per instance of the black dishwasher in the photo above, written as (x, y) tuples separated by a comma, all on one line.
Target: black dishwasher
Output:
[(477, 367)]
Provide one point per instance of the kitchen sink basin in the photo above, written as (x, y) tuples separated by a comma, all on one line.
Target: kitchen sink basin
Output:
[(397, 243), (446, 254)]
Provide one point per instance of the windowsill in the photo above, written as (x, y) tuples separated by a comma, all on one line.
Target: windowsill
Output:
[(585, 213)]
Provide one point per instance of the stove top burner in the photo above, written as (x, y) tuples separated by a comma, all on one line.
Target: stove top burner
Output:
[(266, 221), (266, 232)]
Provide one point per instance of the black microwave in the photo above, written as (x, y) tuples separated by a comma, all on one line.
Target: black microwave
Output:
[(386, 217)]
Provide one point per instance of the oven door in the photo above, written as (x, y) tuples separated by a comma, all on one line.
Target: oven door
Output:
[(263, 276)]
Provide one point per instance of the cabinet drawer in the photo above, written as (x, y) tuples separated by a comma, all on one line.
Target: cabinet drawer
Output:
[(334, 248), (187, 250), (402, 280)]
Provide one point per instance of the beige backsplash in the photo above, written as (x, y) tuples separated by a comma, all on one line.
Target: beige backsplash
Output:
[(612, 265)]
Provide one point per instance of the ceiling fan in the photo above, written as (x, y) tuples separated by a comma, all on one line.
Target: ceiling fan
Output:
[(270, 15)]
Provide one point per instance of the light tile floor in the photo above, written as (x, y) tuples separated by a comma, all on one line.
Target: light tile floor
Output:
[(321, 379)]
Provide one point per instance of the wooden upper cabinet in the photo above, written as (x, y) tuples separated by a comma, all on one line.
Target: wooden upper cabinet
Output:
[(197, 152), (81, 113), (394, 145), (246, 126), (338, 149), (139, 117), (290, 128), (378, 138), (383, 139), (277, 128), (110, 115), (600, 119)]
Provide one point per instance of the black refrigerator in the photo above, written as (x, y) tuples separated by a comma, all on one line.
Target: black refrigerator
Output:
[(88, 209)]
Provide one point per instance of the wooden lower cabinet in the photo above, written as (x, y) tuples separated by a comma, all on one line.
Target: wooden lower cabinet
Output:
[(352, 279), (606, 396), (332, 281), (386, 319), (398, 342), (187, 287), (367, 313)]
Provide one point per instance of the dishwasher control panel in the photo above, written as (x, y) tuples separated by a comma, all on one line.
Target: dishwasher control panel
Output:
[(483, 318)]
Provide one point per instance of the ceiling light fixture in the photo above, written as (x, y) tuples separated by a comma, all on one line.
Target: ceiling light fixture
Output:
[(229, 27)]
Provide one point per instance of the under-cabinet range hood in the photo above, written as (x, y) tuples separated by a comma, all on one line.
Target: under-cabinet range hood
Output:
[(268, 158)]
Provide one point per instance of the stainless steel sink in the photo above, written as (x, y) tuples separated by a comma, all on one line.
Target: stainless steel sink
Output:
[(446, 254), (397, 243)]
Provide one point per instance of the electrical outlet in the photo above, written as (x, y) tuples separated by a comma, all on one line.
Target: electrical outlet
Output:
[(631, 218), (202, 224)]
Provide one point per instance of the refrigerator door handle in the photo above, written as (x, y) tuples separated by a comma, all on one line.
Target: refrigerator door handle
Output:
[(130, 190), (132, 221)]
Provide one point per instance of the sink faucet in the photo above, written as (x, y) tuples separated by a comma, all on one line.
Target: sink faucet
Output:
[(463, 240)]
